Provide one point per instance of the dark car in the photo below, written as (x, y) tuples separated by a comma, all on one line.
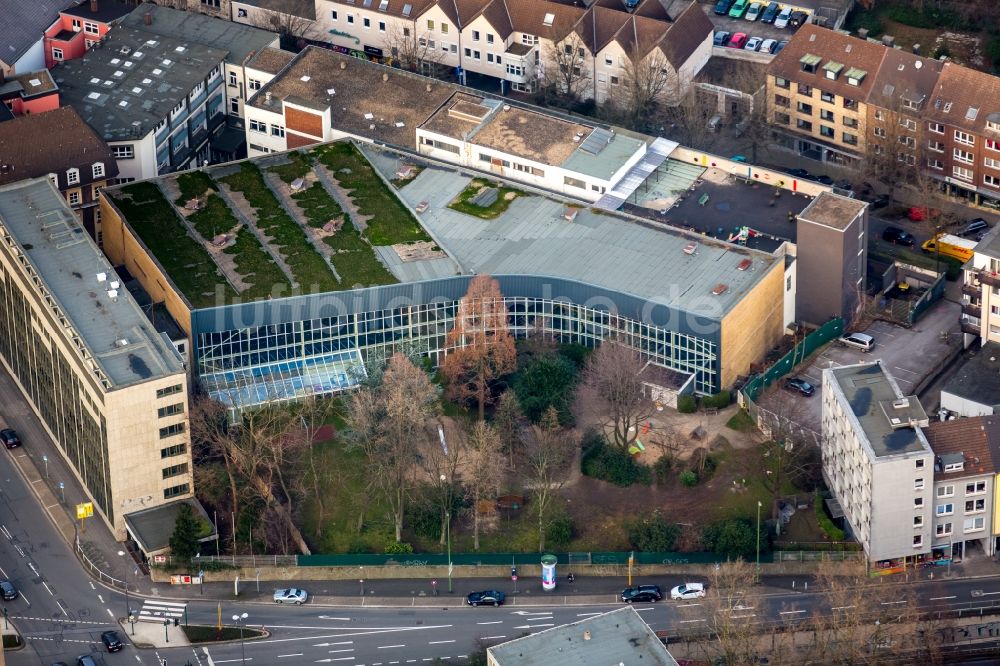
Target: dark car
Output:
[(797, 20), (7, 590), (111, 641), (800, 173), (770, 13), (642, 593), (486, 598), (897, 236), (797, 384), (721, 38), (824, 180), (85, 660), (9, 438), (722, 7), (59, 663), (781, 45), (878, 201), (974, 228)]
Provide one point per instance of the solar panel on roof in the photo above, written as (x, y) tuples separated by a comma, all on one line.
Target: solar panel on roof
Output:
[(597, 141)]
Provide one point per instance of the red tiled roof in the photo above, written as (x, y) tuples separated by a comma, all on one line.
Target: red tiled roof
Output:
[(965, 436), (965, 98)]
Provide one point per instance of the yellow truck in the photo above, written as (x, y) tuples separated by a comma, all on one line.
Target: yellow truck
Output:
[(952, 246)]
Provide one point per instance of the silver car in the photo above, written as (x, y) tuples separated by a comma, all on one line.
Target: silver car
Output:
[(290, 596), (861, 341)]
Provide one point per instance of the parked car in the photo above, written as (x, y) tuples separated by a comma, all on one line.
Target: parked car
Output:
[(781, 20), (721, 38), (111, 641), (722, 7), (7, 590), (9, 438), (878, 201), (897, 236), (59, 663), (824, 180), (861, 341), (801, 174), (688, 591), (85, 660), (768, 46), (975, 227), (797, 19), (738, 41), (290, 596), (642, 593), (753, 44), (486, 598), (781, 45), (753, 11), (739, 8), (770, 13), (799, 385)]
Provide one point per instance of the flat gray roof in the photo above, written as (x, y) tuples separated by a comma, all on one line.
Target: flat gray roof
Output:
[(191, 27), (153, 527), (978, 378), (112, 327), (832, 210), (132, 81), (872, 395), (990, 245), (532, 237), (618, 637)]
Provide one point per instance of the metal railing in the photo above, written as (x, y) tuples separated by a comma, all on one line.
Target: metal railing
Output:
[(96, 570)]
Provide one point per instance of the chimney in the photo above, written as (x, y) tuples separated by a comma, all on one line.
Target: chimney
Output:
[(385, 77), (586, 635), (888, 40), (343, 65), (267, 96), (862, 33), (148, 18), (427, 87), (93, 6)]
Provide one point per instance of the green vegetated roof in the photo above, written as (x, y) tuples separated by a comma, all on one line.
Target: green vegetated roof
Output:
[(278, 253)]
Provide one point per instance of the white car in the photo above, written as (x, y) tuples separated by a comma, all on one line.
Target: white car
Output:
[(290, 596), (782, 20), (688, 591), (753, 12), (753, 44), (861, 341), (768, 46)]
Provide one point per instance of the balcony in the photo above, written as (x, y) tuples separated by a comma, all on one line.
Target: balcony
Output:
[(971, 290), (970, 328), (972, 310), (988, 277), (518, 53)]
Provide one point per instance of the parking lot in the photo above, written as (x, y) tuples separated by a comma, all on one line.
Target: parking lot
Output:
[(751, 28), (910, 355)]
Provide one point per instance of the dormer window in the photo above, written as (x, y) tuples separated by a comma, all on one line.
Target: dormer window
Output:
[(73, 176), (54, 179), (98, 169), (855, 76), (831, 70), (809, 62), (955, 466)]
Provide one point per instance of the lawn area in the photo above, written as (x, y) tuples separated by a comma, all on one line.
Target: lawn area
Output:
[(298, 167), (390, 221), (193, 184), (355, 260), (308, 266), (202, 634), (463, 202), (187, 263)]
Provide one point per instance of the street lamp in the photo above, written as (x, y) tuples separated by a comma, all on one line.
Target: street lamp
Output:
[(128, 611), (240, 620), (447, 530), (759, 505)]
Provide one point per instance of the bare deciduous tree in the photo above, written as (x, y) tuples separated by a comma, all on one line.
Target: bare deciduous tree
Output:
[(485, 468), (386, 422), (787, 453), (481, 346), (289, 26), (548, 454), (442, 462), (648, 80), (567, 74), (414, 52), (612, 373)]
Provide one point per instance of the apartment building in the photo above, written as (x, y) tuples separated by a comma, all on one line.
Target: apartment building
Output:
[(80, 27), (878, 463), (974, 387), (214, 8), (109, 390), (980, 316), (31, 92), (964, 486), (817, 91), (21, 34), (517, 44), (65, 150)]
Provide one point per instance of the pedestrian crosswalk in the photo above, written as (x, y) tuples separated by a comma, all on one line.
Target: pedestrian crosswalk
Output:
[(158, 611)]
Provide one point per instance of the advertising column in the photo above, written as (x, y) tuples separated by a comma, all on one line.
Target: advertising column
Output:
[(549, 572)]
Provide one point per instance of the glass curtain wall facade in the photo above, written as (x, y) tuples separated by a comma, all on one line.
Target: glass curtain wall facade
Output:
[(226, 359)]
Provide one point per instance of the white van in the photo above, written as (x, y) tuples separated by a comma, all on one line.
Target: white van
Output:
[(783, 17)]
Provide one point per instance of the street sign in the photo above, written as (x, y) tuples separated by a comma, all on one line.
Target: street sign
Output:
[(159, 559), (84, 510)]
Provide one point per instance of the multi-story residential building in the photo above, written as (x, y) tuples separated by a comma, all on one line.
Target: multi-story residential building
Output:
[(817, 89), (21, 33), (964, 485), (832, 242), (590, 52), (878, 464), (31, 92), (64, 149), (108, 389), (157, 101), (80, 27), (974, 387), (214, 8), (981, 292)]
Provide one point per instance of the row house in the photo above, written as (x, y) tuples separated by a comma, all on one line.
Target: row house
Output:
[(63, 149), (980, 318), (517, 43), (80, 27)]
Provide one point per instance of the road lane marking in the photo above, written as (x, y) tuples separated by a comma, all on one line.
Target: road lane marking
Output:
[(100, 598), (341, 650), (282, 656), (534, 626), (643, 610), (31, 565), (699, 620), (51, 594), (841, 607), (587, 614), (386, 647), (440, 642), (229, 661), (983, 594), (327, 617), (941, 598), (489, 638), (24, 597), (3, 572), (501, 621), (332, 644), (890, 603), (791, 612), (741, 617), (58, 603)]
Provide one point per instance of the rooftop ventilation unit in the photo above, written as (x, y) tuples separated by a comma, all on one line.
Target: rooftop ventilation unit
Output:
[(743, 265)]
